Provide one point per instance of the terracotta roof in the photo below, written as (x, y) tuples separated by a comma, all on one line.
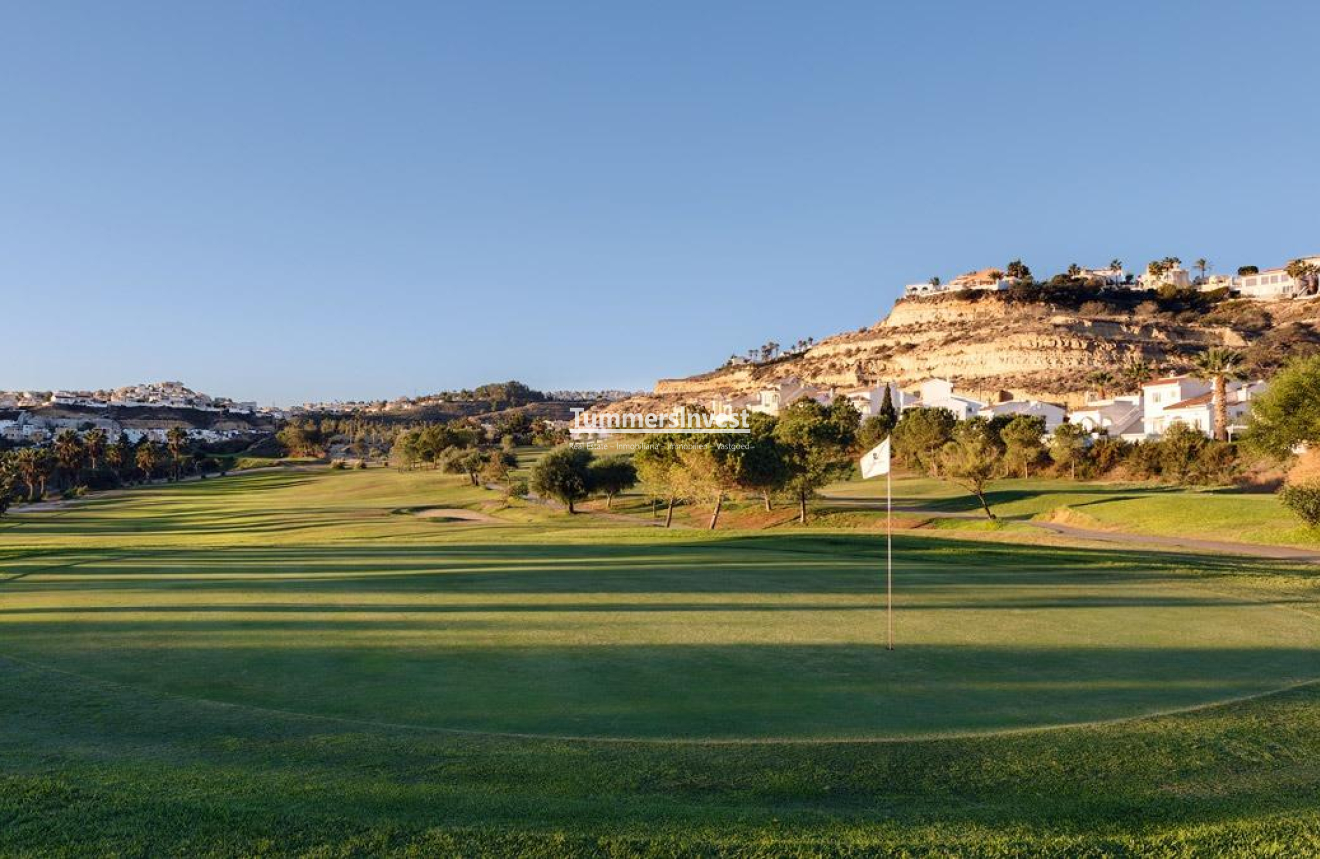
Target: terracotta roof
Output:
[(1192, 402)]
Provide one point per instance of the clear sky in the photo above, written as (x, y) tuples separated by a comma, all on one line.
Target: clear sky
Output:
[(286, 201)]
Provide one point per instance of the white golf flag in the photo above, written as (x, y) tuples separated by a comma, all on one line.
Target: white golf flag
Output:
[(876, 463)]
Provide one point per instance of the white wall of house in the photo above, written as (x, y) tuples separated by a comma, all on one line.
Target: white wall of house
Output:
[(1159, 395), (1269, 285), (1053, 414), (938, 394), (1199, 412), (774, 398), (868, 401), (1177, 276), (1108, 276), (1114, 416)]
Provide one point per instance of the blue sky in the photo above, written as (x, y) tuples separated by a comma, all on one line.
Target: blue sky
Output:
[(287, 201)]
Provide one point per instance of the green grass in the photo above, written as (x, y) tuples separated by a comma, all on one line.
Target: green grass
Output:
[(291, 662), (1219, 514)]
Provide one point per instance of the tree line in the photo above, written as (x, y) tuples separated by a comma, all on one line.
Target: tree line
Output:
[(78, 461), (795, 454), (374, 437)]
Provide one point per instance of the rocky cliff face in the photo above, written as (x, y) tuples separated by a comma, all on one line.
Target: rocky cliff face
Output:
[(993, 343)]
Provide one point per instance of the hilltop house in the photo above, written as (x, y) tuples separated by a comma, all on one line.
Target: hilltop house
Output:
[(1175, 276), (1273, 284), (1219, 281), (987, 278), (1105, 276)]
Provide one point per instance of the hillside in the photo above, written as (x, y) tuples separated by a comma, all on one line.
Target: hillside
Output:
[(1044, 347)]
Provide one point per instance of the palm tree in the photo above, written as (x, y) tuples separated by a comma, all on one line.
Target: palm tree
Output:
[(1306, 274), (69, 453), (1217, 365), (1102, 379), (1018, 270), (1202, 265), (117, 454), (8, 480), (146, 458), (28, 462), (1137, 372), (94, 444), (175, 439), (934, 281)]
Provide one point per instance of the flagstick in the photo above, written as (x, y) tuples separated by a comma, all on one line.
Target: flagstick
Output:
[(889, 557)]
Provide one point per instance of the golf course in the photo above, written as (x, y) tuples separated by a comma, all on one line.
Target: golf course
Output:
[(340, 662)]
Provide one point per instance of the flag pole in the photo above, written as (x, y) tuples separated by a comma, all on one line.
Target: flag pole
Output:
[(889, 557)]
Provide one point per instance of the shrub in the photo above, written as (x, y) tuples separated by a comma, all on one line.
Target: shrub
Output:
[(515, 488), (1106, 454), (1304, 500), (1216, 464), (1144, 460), (1180, 450)]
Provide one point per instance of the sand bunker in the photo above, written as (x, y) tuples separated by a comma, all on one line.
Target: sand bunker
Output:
[(451, 514)]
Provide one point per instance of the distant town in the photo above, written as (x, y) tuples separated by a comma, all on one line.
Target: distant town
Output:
[(150, 410)]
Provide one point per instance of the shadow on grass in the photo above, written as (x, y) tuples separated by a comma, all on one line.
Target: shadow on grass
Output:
[(750, 564), (689, 689)]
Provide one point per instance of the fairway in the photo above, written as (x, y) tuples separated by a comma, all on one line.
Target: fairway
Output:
[(308, 593)]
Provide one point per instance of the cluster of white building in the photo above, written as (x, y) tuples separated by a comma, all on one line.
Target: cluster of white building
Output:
[(991, 279), (1274, 284), (150, 395), (1135, 417), (28, 429)]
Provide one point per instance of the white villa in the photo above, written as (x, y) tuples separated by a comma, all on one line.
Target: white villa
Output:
[(1273, 284), (1107, 276), (1176, 276), (777, 395), (938, 394), (1159, 395), (987, 278), (1052, 414), (733, 405), (1189, 401), (1199, 412), (868, 401), (1122, 417)]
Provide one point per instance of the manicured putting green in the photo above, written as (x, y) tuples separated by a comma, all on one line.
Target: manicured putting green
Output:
[(664, 636)]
